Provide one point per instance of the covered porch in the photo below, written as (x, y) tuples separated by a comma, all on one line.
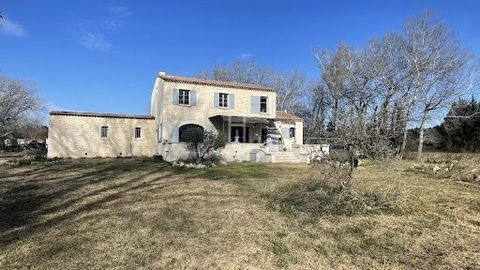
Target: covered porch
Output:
[(244, 129)]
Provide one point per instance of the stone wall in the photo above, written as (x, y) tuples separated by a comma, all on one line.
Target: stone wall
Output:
[(315, 150), (80, 136), (232, 152)]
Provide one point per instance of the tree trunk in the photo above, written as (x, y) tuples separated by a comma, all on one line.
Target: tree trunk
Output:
[(197, 152), (404, 141), (282, 105), (334, 114), (405, 133), (383, 115), (405, 125), (421, 136)]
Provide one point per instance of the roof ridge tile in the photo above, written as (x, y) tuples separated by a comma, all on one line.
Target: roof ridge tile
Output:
[(107, 115), (191, 80)]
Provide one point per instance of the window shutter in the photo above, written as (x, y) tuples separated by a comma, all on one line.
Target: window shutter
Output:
[(255, 104), (268, 105), (193, 97), (215, 99), (175, 96), (174, 132), (231, 101), (285, 132)]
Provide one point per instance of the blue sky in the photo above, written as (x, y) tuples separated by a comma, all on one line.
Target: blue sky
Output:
[(103, 55)]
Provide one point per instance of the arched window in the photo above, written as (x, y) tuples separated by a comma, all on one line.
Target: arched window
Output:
[(292, 132), (182, 129)]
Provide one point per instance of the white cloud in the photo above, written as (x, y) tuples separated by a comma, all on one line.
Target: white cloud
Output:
[(94, 34), (117, 17), (11, 28), (244, 56), (97, 41)]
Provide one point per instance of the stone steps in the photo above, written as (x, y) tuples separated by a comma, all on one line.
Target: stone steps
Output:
[(286, 157)]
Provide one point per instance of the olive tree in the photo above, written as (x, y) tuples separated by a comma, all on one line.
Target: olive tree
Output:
[(202, 143)]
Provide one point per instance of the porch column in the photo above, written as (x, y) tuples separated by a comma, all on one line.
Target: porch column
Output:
[(244, 123), (229, 127)]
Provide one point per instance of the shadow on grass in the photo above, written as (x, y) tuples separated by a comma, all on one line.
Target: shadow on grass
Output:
[(37, 198), (27, 196)]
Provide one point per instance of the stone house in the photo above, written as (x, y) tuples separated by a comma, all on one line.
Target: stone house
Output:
[(245, 113)]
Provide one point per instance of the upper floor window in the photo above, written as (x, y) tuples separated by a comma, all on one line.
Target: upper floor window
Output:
[(184, 97), (104, 132), (138, 133), (223, 100), (263, 104), (292, 132)]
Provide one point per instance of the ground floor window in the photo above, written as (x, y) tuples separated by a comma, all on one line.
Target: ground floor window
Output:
[(104, 132), (182, 131), (292, 132), (138, 133)]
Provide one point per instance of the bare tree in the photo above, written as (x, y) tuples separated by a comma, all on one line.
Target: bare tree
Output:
[(334, 68), (438, 67), (361, 87), (390, 70), (375, 93), (239, 71), (17, 101), (289, 87), (316, 104)]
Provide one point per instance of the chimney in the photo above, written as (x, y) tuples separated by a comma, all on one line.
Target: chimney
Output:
[(161, 73)]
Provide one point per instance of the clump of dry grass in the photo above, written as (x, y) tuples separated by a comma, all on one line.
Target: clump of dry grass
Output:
[(321, 194)]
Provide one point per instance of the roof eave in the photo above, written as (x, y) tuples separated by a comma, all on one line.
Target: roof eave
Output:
[(223, 84)]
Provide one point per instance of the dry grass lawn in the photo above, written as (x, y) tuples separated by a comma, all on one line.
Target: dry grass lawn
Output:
[(138, 214)]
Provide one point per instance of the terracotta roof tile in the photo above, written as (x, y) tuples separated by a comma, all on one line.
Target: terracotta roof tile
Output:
[(106, 115), (287, 116), (189, 80)]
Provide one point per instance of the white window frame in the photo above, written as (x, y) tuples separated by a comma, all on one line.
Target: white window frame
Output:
[(139, 133), (266, 104), (184, 96), (223, 100)]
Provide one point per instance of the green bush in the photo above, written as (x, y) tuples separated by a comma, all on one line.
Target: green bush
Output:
[(202, 144), (24, 162)]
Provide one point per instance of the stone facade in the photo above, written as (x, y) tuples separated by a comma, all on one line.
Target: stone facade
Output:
[(78, 135), (248, 119), (170, 116), (241, 115)]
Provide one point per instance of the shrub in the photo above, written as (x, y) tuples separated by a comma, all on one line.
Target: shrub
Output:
[(202, 144), (24, 162), (321, 194)]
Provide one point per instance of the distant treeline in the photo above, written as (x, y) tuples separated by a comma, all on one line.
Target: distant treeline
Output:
[(460, 130)]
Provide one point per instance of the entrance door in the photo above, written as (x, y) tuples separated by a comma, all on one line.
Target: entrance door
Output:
[(264, 135), (238, 132)]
